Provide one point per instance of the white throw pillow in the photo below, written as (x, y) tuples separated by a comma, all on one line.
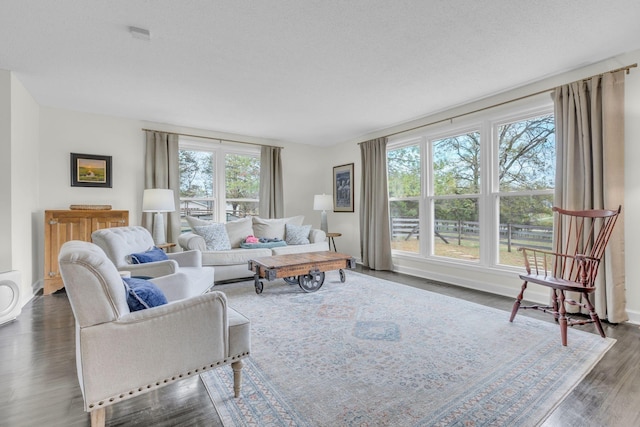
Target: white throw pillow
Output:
[(297, 234), (274, 228), (214, 235), (238, 230)]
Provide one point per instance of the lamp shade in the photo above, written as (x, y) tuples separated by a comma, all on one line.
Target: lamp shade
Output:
[(158, 200), (322, 202)]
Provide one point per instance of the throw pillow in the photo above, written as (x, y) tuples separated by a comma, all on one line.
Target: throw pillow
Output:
[(214, 235), (238, 230), (271, 228), (193, 221), (152, 255), (297, 234), (142, 294)]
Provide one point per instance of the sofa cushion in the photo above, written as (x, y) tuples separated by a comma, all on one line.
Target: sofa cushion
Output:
[(142, 294), (234, 257), (274, 228), (297, 234), (237, 230), (152, 255), (214, 235)]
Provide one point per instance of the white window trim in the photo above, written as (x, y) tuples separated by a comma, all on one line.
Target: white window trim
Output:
[(219, 150), (486, 122)]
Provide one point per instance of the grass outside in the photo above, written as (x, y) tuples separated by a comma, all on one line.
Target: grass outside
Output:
[(468, 251)]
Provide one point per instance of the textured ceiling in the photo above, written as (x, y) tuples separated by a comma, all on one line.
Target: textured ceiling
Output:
[(314, 72)]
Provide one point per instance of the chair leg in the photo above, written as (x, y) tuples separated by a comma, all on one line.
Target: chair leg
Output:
[(562, 317), (237, 377), (518, 301), (593, 315), (98, 417)]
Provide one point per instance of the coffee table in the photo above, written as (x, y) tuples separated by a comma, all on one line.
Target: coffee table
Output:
[(305, 269)]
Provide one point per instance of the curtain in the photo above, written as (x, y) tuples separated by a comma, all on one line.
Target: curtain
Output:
[(589, 118), (161, 170), (375, 230), (271, 198)]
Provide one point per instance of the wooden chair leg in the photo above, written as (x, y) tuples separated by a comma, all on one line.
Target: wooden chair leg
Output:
[(98, 417), (594, 316), (562, 317), (237, 377), (518, 301)]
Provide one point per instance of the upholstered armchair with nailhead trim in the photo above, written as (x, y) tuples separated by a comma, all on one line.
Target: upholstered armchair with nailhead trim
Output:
[(121, 354)]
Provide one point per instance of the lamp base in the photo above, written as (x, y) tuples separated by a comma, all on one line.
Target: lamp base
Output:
[(323, 222), (158, 229)]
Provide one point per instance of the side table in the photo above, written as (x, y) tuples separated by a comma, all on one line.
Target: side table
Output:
[(165, 246), (332, 237)]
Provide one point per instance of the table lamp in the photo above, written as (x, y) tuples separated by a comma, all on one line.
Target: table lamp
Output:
[(158, 200), (323, 202)]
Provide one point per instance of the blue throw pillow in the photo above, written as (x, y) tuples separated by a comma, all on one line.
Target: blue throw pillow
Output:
[(152, 255), (142, 294)]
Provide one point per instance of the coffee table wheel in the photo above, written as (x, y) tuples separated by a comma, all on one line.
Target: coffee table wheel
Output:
[(343, 277), (311, 282), (292, 280), (259, 286)]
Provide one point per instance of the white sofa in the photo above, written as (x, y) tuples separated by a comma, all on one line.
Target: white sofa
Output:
[(233, 263)]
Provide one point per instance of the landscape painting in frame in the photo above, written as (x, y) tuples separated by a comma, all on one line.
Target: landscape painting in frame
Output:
[(343, 188), (89, 170)]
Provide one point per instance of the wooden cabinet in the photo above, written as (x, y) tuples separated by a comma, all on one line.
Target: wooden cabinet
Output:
[(64, 225)]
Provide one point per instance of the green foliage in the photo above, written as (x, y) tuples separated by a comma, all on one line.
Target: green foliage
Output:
[(242, 181), (196, 173)]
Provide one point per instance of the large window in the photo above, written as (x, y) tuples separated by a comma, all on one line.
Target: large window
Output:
[(219, 183), (475, 193)]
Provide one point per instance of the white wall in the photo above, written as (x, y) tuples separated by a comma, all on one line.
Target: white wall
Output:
[(507, 283), (5, 170), (24, 185)]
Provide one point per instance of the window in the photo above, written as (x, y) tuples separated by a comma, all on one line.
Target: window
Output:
[(526, 179), (474, 193), (219, 183)]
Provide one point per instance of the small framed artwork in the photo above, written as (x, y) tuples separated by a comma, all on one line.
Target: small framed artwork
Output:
[(88, 170), (343, 188)]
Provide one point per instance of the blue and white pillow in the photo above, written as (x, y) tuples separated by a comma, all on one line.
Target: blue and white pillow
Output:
[(297, 234), (215, 236), (142, 294)]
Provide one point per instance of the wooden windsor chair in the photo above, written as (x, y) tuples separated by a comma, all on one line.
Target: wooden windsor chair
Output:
[(580, 240)]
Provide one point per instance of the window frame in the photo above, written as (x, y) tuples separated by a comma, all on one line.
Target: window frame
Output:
[(219, 152), (486, 123)]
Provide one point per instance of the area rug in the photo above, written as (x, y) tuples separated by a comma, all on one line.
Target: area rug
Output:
[(370, 352)]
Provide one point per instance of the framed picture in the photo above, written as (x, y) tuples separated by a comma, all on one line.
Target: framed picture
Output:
[(88, 170), (343, 188)]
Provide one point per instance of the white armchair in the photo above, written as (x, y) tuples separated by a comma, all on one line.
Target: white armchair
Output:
[(184, 274), (122, 354)]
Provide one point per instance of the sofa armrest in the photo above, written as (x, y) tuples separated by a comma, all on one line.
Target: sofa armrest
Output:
[(152, 269), (191, 258), (316, 236), (190, 241)]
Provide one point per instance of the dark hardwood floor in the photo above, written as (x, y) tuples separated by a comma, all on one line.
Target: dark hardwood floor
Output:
[(39, 386)]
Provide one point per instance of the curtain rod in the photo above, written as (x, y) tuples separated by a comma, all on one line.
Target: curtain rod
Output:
[(625, 68), (213, 139)]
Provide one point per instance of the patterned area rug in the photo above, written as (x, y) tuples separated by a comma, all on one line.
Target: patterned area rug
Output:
[(370, 352)]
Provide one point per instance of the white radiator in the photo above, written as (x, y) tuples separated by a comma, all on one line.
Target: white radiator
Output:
[(9, 296)]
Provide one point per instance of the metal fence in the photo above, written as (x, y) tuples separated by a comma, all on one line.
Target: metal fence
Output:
[(454, 232)]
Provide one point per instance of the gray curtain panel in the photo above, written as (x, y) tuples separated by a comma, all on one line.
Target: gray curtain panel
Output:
[(375, 233), (589, 118), (162, 170), (271, 198)]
